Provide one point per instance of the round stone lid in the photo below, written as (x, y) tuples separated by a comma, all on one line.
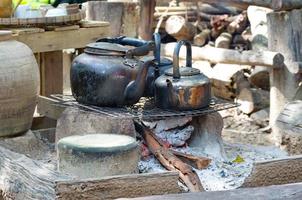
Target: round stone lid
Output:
[(98, 143)]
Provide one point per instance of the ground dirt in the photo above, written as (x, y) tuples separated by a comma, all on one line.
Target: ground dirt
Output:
[(240, 128)]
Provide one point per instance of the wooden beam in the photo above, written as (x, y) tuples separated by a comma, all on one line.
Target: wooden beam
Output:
[(276, 5), (58, 40), (134, 185), (275, 172), (290, 191), (51, 64), (146, 19), (285, 81), (228, 56)]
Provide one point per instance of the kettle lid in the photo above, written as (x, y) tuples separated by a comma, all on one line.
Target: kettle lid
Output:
[(184, 71), (106, 48)]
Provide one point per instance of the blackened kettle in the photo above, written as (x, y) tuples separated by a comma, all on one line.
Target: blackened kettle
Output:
[(108, 72), (182, 88)]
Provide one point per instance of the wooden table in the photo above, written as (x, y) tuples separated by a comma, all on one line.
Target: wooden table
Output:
[(48, 46)]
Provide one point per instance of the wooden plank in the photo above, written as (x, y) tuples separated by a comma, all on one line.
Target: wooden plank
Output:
[(52, 73), (134, 185), (57, 40), (62, 28), (123, 16), (289, 192), (146, 19), (275, 172), (47, 107), (21, 31)]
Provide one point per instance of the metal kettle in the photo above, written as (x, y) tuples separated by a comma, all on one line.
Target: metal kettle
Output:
[(161, 65), (182, 88), (108, 72)]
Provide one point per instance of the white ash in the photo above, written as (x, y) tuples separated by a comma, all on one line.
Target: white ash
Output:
[(168, 124), (223, 175), (174, 131), (176, 137)]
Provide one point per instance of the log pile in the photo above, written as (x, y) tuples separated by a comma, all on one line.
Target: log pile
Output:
[(229, 46)]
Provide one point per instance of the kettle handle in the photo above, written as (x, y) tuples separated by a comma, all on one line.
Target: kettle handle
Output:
[(156, 52), (176, 73), (142, 47)]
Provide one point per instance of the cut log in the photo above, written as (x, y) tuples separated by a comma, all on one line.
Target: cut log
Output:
[(240, 42), (260, 78), (251, 100), (239, 24), (258, 22), (179, 28), (223, 41), (217, 55), (228, 84), (170, 161), (203, 37)]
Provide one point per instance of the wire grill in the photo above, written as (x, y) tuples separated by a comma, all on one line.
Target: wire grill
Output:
[(145, 109)]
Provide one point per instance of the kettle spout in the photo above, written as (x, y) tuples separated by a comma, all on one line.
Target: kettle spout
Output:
[(135, 88), (172, 96)]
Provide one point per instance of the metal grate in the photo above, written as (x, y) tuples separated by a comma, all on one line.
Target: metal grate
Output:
[(144, 109)]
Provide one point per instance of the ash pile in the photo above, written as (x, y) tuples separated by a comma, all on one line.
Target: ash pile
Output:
[(196, 143)]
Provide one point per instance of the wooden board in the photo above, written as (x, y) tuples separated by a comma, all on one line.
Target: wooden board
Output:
[(42, 21), (58, 40), (123, 16), (275, 172), (119, 186), (51, 73), (288, 192)]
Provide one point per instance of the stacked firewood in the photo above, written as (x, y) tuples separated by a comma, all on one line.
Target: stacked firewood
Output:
[(221, 27)]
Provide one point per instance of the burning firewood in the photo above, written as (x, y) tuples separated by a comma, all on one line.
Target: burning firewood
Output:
[(171, 159)]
